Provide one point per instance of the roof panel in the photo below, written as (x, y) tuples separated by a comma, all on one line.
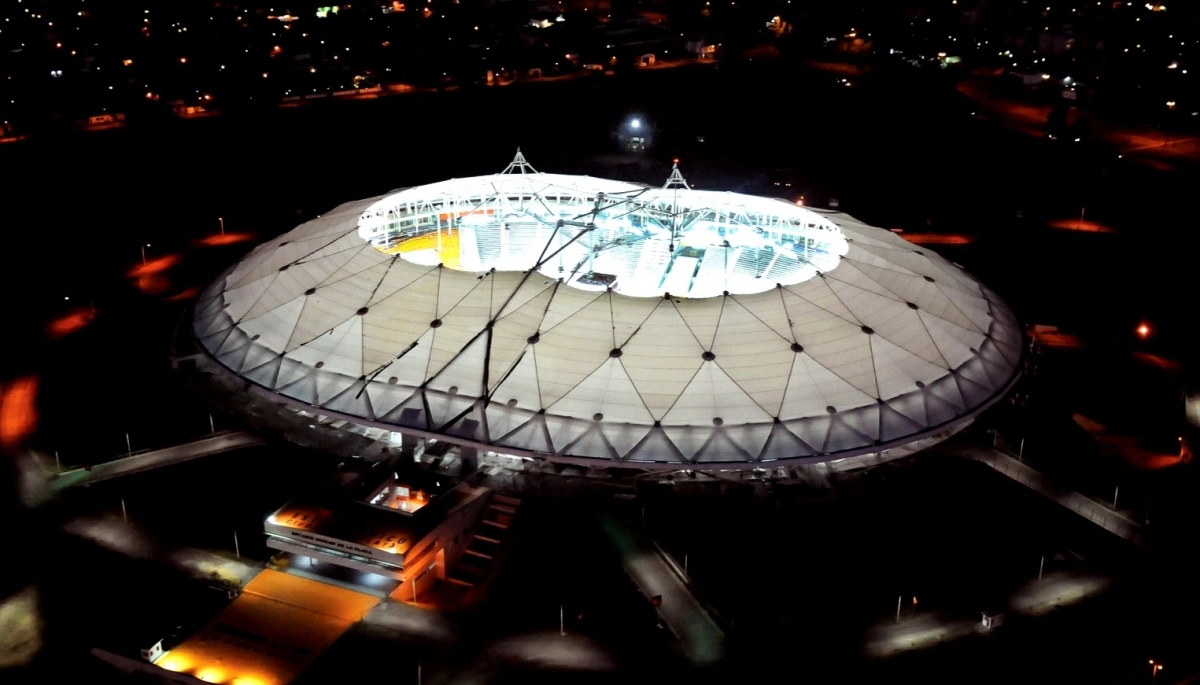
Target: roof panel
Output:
[(608, 393)]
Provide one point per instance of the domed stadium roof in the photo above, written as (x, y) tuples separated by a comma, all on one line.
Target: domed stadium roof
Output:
[(599, 321)]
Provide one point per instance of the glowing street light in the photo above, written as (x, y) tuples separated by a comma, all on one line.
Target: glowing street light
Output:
[(144, 253), (635, 123), (1154, 669), (1143, 330)]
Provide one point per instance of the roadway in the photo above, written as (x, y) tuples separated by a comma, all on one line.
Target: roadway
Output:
[(216, 443)]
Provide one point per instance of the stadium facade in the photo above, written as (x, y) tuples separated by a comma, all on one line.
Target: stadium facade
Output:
[(608, 323)]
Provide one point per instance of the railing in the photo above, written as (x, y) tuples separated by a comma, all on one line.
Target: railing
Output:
[(692, 587)]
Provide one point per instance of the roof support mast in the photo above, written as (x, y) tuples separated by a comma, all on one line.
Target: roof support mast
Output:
[(675, 181)]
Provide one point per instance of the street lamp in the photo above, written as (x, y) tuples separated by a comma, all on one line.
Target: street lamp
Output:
[(1154, 669), (222, 221), (144, 253), (1143, 330)]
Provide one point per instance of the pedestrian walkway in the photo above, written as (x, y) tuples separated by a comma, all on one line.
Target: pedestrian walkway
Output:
[(1088, 508), (915, 631), (702, 640), (153, 459)]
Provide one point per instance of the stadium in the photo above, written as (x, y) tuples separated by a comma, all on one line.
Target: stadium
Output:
[(604, 323)]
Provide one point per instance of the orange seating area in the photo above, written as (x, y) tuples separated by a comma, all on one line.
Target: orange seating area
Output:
[(429, 241)]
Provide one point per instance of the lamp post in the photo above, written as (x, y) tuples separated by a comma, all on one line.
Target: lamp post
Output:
[(144, 253), (222, 221)]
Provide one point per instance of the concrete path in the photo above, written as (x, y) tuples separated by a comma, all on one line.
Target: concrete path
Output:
[(1034, 598), (701, 639)]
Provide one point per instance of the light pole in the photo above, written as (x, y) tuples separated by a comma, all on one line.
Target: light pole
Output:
[(222, 220), (1154, 669), (144, 253)]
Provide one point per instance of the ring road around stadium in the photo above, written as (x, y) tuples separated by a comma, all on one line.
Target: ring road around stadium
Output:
[(601, 322)]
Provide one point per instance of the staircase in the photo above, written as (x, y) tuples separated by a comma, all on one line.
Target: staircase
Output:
[(477, 565)]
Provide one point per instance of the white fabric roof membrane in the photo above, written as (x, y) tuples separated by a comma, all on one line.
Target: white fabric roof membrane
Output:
[(880, 345)]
